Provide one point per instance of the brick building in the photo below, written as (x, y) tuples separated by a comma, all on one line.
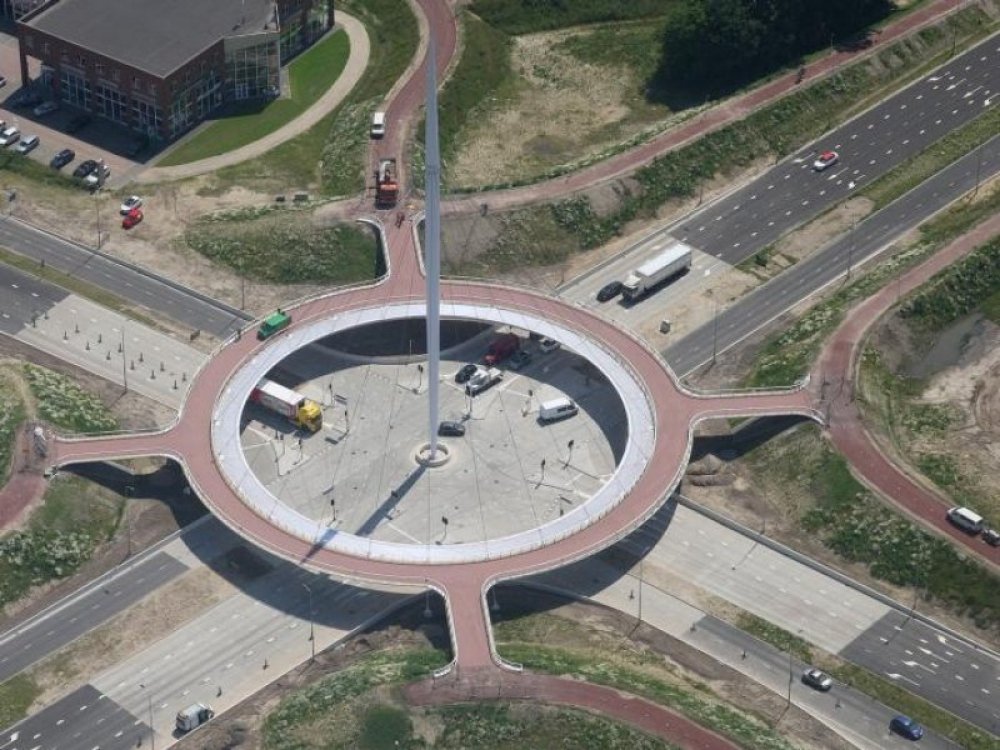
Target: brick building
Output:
[(160, 67)]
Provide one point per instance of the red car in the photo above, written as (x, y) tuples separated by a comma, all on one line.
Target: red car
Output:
[(826, 159), (132, 218)]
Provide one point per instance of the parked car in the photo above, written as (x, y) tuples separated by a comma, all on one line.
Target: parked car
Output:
[(906, 727), (609, 291), (548, 345), (9, 136), (98, 176), (467, 371), (63, 158), (28, 143), (991, 537), (85, 168), (78, 123), (519, 359), (825, 160), (132, 218), (45, 108), (133, 201), (26, 98), (451, 429), (817, 679)]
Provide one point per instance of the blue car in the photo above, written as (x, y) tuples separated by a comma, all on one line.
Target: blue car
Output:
[(906, 727)]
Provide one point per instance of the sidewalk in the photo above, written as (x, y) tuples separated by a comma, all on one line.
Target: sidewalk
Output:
[(715, 118), (835, 375), (357, 62)]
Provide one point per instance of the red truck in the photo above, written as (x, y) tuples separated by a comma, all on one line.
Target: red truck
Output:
[(501, 348)]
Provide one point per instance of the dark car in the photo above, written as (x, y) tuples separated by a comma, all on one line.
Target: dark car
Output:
[(991, 537), (86, 168), (63, 158), (609, 291), (77, 123), (463, 375), (817, 679), (451, 429), (906, 727), (27, 98)]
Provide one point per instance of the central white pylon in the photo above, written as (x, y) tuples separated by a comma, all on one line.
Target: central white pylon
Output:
[(432, 246)]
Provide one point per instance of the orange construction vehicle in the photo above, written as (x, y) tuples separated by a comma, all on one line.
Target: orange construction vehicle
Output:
[(386, 186)]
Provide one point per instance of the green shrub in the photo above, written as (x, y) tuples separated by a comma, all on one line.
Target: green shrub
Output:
[(65, 404), (526, 16)]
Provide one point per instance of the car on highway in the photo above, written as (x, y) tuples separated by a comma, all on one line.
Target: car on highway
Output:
[(467, 371), (28, 143), (825, 160), (132, 218), (9, 136), (609, 291), (133, 201), (906, 727), (63, 158), (45, 108), (451, 429), (817, 679), (519, 359), (548, 345), (85, 168)]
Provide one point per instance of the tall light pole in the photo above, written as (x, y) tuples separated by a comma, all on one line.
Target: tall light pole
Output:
[(432, 243), (124, 366), (312, 632), (152, 732)]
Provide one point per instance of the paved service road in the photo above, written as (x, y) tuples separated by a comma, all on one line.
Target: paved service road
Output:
[(142, 288), (870, 145), (22, 647), (755, 310)]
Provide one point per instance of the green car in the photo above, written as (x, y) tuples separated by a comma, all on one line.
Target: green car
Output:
[(273, 323)]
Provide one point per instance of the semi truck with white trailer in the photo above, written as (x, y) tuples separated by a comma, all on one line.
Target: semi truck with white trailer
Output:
[(673, 261), (295, 407)]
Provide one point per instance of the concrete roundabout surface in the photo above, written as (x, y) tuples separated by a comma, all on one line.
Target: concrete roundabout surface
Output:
[(662, 415)]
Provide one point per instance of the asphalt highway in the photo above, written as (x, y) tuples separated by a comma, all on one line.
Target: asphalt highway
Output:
[(755, 310), (135, 285), (870, 145)]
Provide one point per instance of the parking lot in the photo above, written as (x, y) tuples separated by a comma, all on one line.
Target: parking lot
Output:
[(97, 139)]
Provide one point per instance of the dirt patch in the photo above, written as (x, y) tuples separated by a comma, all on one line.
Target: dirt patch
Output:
[(564, 110)]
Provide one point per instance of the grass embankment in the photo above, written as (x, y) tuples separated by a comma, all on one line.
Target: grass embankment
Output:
[(527, 16), (787, 356), (574, 224), (530, 641), (358, 707), (310, 75), (927, 434), (281, 245), (12, 414), (65, 404), (16, 696), (330, 156), (883, 690), (852, 522)]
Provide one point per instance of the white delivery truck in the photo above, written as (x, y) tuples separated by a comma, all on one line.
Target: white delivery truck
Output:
[(193, 716), (557, 408), (675, 260)]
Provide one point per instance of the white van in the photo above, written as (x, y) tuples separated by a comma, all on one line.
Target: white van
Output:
[(966, 520), (557, 408), (378, 125)]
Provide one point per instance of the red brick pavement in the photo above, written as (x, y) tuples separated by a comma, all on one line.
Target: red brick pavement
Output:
[(630, 709), (834, 375), (26, 483)]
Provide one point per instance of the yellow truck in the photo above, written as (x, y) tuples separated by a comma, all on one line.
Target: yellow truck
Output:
[(295, 407)]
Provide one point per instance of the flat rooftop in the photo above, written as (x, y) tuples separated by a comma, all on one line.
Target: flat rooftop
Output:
[(157, 36)]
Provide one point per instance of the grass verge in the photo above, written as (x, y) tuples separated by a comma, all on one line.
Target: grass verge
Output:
[(65, 404), (279, 246), (330, 156), (527, 16), (12, 414), (311, 74), (777, 637), (16, 696), (75, 517)]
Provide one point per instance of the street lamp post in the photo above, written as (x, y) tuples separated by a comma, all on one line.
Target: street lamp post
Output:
[(124, 366), (312, 632), (152, 732)]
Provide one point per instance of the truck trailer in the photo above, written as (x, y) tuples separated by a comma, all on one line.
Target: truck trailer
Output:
[(673, 261), (386, 184), (295, 407)]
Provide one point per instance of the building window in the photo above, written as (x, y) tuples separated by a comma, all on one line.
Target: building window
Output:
[(111, 103), (146, 118), (75, 89), (46, 48), (252, 72), (83, 61), (115, 75), (99, 68)]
